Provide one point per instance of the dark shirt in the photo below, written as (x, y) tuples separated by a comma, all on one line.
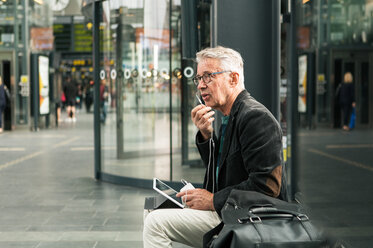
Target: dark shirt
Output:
[(347, 94), (224, 123), (70, 90)]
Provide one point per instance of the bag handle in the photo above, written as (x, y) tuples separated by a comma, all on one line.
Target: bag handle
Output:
[(272, 210), (255, 218), (255, 215)]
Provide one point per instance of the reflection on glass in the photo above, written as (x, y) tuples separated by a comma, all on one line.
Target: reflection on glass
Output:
[(144, 109)]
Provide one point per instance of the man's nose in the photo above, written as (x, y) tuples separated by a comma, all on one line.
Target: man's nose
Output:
[(201, 84)]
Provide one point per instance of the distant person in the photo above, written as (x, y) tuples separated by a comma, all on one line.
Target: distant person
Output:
[(58, 109), (2, 102), (71, 92), (89, 96), (346, 96), (79, 97), (104, 100)]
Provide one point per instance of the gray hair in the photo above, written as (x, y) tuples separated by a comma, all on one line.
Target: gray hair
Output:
[(230, 60)]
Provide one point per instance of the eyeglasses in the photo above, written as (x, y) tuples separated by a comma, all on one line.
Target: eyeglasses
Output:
[(206, 77)]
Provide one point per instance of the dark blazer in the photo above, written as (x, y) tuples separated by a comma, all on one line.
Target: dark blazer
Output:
[(251, 157)]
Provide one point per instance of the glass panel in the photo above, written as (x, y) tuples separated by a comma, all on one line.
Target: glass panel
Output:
[(7, 35), (144, 134), (7, 11), (350, 22), (23, 93), (364, 93), (108, 63), (186, 161), (143, 106)]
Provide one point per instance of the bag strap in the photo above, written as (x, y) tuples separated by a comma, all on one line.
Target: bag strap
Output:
[(211, 235), (309, 229)]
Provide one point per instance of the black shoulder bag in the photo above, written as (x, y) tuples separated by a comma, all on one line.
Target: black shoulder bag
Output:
[(252, 219)]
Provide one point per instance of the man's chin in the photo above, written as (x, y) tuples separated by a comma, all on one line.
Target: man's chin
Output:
[(209, 105)]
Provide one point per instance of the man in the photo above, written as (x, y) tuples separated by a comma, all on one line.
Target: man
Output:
[(70, 91), (247, 155), (346, 99)]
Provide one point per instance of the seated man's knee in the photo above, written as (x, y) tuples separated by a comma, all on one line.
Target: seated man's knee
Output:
[(153, 220)]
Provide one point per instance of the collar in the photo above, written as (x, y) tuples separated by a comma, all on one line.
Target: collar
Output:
[(243, 94)]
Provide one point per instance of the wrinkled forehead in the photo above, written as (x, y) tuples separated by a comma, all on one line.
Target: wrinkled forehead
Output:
[(208, 65)]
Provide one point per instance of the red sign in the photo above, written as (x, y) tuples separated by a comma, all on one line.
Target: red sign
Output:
[(42, 38)]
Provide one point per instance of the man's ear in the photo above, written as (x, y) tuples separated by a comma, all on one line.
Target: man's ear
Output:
[(234, 79)]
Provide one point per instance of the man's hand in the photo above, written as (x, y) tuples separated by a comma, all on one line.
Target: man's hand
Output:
[(200, 199), (202, 118)]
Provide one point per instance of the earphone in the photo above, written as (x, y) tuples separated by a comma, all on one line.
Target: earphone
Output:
[(211, 154)]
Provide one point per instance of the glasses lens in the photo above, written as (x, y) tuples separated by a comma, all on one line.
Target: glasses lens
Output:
[(206, 78), (196, 80)]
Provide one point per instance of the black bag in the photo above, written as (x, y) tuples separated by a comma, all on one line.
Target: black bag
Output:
[(252, 219)]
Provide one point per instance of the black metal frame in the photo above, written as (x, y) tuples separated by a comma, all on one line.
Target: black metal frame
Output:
[(96, 77), (293, 84)]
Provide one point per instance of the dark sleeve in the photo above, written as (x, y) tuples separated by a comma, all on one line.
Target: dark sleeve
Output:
[(353, 92), (260, 139)]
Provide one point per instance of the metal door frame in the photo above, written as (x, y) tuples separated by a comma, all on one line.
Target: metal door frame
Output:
[(9, 55), (357, 57)]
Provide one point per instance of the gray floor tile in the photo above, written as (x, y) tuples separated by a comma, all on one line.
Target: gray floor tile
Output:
[(18, 244), (119, 228), (59, 228), (30, 236), (129, 236), (89, 236), (13, 228), (360, 242), (67, 244), (76, 221), (119, 244)]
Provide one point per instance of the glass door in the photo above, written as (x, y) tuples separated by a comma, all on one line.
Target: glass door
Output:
[(7, 76), (363, 88), (136, 67), (358, 64), (143, 115)]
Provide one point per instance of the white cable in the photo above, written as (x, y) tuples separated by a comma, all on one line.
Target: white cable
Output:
[(213, 162), (208, 165), (211, 159)]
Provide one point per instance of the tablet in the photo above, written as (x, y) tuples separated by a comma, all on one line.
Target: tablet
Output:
[(167, 191)]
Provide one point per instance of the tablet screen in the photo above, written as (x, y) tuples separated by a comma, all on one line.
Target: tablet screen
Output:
[(167, 191)]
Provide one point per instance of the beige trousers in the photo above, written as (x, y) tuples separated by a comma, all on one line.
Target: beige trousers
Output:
[(186, 226)]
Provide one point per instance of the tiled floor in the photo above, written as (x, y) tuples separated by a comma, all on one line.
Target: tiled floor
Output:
[(49, 198), (336, 172)]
